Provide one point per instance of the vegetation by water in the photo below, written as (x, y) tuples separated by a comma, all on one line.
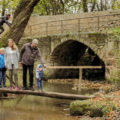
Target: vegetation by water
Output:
[(91, 108)]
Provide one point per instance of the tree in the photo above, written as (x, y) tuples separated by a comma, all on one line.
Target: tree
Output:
[(47, 7), (21, 17), (85, 7), (4, 4), (55, 7), (8, 6), (116, 4)]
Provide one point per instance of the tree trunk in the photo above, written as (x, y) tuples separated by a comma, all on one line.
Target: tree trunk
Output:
[(63, 7), (93, 5), (48, 94), (21, 17), (85, 8), (101, 5), (3, 12)]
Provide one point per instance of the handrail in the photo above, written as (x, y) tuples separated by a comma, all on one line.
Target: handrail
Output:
[(75, 67)]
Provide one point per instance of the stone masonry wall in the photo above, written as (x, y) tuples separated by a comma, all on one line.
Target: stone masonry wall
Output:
[(104, 45), (69, 23)]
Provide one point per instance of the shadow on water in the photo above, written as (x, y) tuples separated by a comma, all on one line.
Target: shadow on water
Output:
[(38, 108)]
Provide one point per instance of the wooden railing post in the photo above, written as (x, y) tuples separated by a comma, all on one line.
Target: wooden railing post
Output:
[(80, 79)]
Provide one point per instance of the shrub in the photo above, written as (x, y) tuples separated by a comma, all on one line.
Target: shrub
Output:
[(95, 109), (79, 107)]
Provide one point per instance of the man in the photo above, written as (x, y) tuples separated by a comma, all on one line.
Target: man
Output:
[(27, 56), (4, 19)]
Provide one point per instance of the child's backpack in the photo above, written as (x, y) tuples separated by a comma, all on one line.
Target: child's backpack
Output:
[(2, 63)]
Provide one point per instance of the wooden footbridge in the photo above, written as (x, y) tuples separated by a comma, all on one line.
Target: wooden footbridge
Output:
[(56, 94), (48, 94)]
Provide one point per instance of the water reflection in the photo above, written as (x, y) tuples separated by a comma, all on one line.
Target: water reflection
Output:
[(38, 108), (34, 108)]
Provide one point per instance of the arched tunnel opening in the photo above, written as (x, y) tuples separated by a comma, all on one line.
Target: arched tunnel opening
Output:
[(74, 53)]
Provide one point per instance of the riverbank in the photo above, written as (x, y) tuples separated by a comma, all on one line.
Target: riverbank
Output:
[(106, 102)]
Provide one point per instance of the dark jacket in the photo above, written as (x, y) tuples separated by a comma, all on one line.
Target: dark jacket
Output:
[(28, 54), (4, 19)]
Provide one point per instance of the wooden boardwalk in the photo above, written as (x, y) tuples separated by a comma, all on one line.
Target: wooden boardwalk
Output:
[(48, 94)]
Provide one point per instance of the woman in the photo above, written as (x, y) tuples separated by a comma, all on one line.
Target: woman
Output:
[(11, 61)]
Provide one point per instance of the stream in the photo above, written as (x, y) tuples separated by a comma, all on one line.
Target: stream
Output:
[(26, 107)]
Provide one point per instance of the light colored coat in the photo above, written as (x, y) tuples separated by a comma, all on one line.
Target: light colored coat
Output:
[(11, 58)]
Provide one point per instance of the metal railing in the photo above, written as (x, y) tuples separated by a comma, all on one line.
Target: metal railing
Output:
[(76, 25)]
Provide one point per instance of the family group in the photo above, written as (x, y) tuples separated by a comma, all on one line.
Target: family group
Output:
[(10, 58)]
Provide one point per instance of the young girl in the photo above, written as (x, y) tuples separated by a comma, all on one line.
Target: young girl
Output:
[(39, 76), (2, 68), (11, 61)]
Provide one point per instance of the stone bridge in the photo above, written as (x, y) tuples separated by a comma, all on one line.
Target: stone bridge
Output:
[(79, 41), (81, 49)]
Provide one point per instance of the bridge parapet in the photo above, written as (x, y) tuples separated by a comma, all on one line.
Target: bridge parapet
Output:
[(75, 25)]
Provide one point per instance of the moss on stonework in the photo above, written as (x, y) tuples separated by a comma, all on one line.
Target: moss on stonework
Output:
[(79, 107), (97, 34), (93, 109)]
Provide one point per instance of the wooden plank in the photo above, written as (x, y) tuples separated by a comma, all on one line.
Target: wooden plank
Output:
[(71, 67), (74, 67), (48, 94)]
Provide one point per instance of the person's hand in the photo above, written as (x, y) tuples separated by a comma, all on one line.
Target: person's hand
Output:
[(44, 65), (6, 66), (20, 64)]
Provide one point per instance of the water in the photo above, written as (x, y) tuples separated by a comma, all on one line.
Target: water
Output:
[(34, 108), (38, 108)]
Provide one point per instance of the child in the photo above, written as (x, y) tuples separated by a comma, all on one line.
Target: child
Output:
[(2, 68), (39, 76)]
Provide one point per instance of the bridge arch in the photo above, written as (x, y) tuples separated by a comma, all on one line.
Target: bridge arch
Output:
[(95, 41), (71, 52)]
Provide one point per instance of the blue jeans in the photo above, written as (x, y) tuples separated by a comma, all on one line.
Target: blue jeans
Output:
[(39, 84), (2, 78)]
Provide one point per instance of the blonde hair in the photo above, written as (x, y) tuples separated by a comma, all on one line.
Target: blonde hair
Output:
[(14, 46), (2, 49)]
